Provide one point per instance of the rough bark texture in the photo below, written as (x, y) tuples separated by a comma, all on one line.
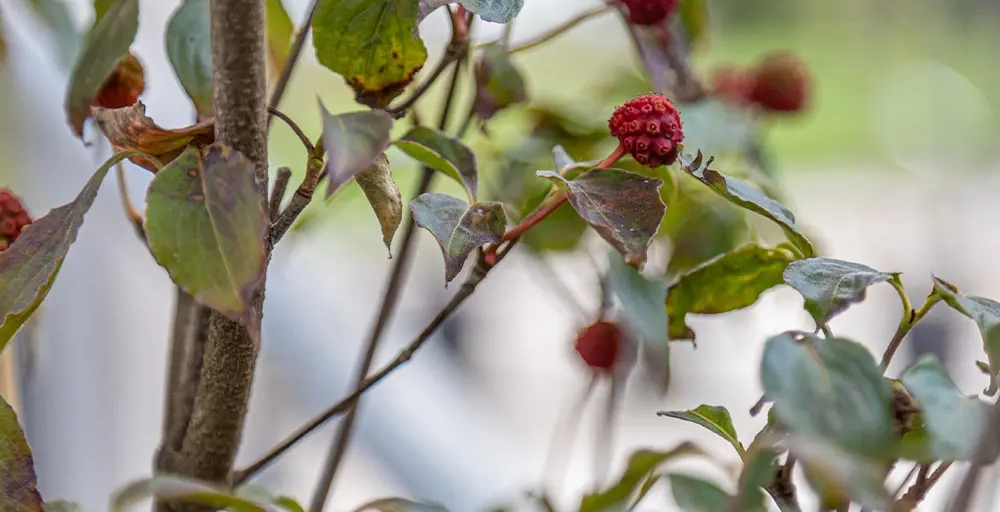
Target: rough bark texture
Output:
[(214, 430)]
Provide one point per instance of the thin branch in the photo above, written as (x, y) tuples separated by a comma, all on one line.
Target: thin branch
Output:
[(293, 58), (564, 435), (295, 128), (559, 30), (131, 213), (456, 50), (906, 323), (918, 491), (301, 198), (278, 191), (477, 275)]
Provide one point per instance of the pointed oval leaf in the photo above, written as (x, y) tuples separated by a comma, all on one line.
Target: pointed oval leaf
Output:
[(830, 286), (399, 505), (953, 421), (130, 129), (189, 47), (353, 141), (29, 266), (170, 487), (697, 495), (494, 11), (206, 227), (498, 83), (715, 419), (830, 389), (446, 154), (641, 300), (730, 281), (986, 314), (384, 196), (105, 45), (625, 208), (373, 44), (18, 483), (280, 30), (641, 465), (749, 197), (458, 228)]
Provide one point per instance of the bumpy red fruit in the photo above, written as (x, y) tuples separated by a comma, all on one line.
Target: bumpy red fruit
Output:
[(781, 83), (599, 345), (649, 12), (649, 128), (13, 218)]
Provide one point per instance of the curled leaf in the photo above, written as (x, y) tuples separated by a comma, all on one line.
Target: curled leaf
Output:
[(458, 228), (353, 141), (170, 487), (625, 208), (130, 129), (498, 83), (384, 197), (986, 314)]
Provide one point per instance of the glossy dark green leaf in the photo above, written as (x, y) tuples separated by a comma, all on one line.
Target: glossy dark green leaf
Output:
[(353, 141), (373, 44), (623, 207), (399, 505), (498, 82), (830, 286), (714, 418), (641, 300), (986, 314), (728, 282), (206, 226), (103, 47), (641, 464), (443, 153), (495, 11), (384, 197), (280, 30), (189, 47), (952, 420), (830, 390), (838, 475), (696, 495), (458, 228), (747, 196), (30, 265), (18, 483), (170, 487), (61, 506)]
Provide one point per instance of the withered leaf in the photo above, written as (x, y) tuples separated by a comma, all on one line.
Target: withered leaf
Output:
[(130, 128)]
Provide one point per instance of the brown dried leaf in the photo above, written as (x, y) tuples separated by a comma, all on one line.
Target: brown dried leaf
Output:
[(129, 128)]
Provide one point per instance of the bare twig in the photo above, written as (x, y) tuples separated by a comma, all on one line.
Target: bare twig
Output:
[(302, 196), (561, 29), (918, 491), (278, 191), (131, 213), (295, 128), (457, 49), (564, 435)]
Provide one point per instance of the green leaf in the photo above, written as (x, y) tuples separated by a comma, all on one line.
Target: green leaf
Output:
[(986, 314), (258, 494), (952, 420), (715, 419), (446, 154), (189, 47), (830, 286), (18, 483), (759, 469), (103, 47), (495, 11), (641, 300), (206, 226), (61, 506), (498, 83), (747, 196), (623, 207), (839, 476), (693, 15), (399, 505), (458, 228), (728, 282), (830, 390), (696, 495), (384, 197), (169, 487), (279, 34), (353, 141), (700, 226), (373, 44), (641, 464), (560, 230), (29, 266)]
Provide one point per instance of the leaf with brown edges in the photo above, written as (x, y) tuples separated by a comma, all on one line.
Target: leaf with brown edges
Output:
[(130, 128)]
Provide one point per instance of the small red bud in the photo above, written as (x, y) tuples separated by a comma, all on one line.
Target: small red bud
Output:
[(649, 12), (600, 345), (13, 218), (649, 128), (781, 83)]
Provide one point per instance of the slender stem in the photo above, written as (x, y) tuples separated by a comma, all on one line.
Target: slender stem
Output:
[(535, 217), (295, 128), (131, 213), (397, 277), (605, 441), (913, 471), (564, 435), (300, 199), (278, 191), (404, 355), (923, 485), (456, 50), (560, 29), (909, 319), (293, 57), (827, 333)]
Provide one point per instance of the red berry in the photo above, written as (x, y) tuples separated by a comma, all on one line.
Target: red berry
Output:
[(13, 218), (781, 83), (649, 12), (599, 345), (649, 128), (732, 84)]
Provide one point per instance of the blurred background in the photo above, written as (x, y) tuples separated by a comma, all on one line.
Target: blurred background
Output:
[(893, 165)]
